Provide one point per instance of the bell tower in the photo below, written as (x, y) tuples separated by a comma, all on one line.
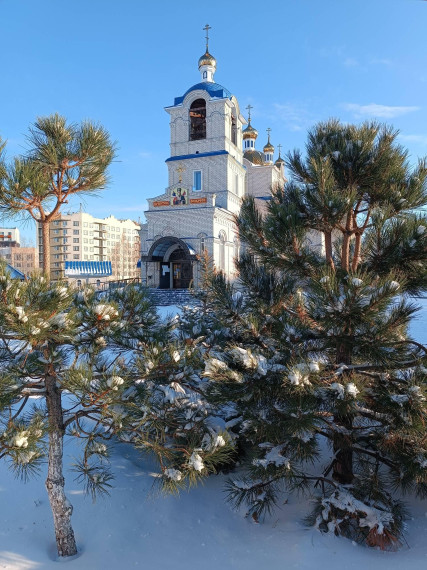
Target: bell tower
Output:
[(206, 136)]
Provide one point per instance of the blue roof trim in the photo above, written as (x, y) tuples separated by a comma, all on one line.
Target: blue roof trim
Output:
[(201, 154), (262, 197), (88, 268), (214, 90), (14, 273)]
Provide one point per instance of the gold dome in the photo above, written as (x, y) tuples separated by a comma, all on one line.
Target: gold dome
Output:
[(254, 156), (249, 132), (207, 59), (269, 148), (279, 161)]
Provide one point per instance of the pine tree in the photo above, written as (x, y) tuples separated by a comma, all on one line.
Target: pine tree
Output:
[(63, 160), (103, 371), (326, 385)]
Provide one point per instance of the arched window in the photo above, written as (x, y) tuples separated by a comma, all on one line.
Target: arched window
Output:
[(233, 129), (221, 259), (205, 75), (198, 120)]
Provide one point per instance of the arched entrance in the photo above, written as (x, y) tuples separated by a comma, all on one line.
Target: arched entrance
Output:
[(173, 261)]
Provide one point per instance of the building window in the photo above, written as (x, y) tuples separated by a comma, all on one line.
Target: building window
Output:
[(75, 240), (233, 129), (236, 184), (222, 251), (197, 180), (76, 232), (75, 223), (76, 248), (85, 224), (198, 120), (75, 256)]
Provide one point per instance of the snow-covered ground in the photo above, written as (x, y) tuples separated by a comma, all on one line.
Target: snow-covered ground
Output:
[(133, 528)]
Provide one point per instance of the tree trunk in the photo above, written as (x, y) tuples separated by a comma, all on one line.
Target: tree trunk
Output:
[(343, 454), (61, 508), (357, 249), (46, 247), (345, 252), (328, 249)]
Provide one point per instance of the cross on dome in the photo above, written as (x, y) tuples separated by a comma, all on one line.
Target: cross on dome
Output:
[(207, 63), (207, 28)]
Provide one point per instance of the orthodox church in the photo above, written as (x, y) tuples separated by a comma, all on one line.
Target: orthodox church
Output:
[(213, 164)]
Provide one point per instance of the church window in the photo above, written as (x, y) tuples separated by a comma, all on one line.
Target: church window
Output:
[(197, 180), (205, 75), (198, 120), (222, 251), (233, 130), (236, 184)]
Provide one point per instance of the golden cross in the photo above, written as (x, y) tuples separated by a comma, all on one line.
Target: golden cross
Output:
[(207, 28), (180, 170), (268, 131), (249, 107), (279, 146)]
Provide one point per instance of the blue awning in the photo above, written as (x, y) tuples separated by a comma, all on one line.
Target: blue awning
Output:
[(88, 268), (14, 273)]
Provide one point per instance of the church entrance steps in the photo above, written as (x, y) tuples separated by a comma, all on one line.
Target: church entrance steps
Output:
[(165, 297)]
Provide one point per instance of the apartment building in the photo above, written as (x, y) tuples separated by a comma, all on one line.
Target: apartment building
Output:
[(22, 258), (9, 235), (79, 236)]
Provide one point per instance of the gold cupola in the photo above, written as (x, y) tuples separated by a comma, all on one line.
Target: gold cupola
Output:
[(249, 132), (207, 59), (207, 62), (268, 150), (280, 163)]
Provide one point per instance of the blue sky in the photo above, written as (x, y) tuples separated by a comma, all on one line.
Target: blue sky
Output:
[(121, 62)]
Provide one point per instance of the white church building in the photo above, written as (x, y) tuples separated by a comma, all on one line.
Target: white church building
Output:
[(213, 164)]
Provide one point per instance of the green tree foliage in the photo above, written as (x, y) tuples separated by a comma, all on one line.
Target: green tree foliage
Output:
[(319, 376), (63, 160), (101, 370)]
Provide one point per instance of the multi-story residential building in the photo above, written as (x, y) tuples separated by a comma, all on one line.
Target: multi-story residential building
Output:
[(9, 235), (21, 258), (79, 236)]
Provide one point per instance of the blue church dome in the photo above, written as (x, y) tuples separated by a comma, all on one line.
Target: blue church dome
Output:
[(214, 90)]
